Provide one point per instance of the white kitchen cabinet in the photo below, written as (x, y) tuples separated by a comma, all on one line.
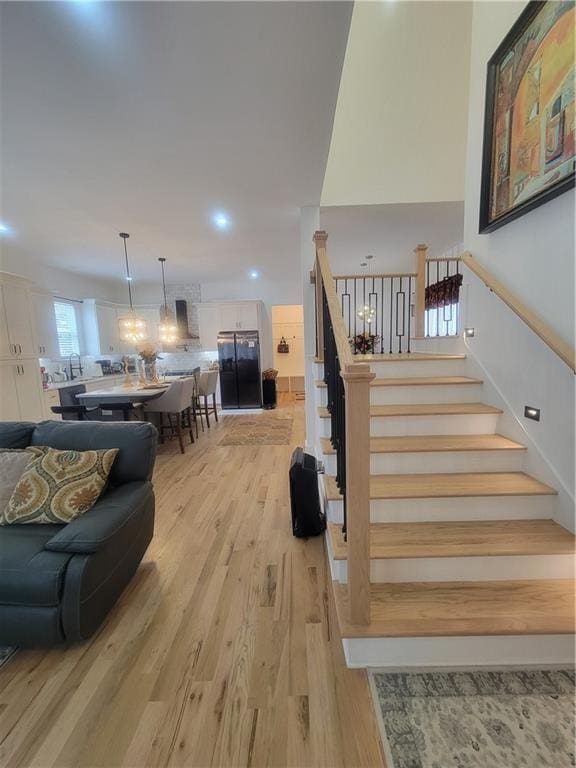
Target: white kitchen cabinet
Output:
[(209, 325), (5, 348), (102, 330), (18, 339), (45, 330), (21, 391), (239, 316)]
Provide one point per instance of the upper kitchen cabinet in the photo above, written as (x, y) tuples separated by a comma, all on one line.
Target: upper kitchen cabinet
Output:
[(16, 331), (239, 316), (214, 317), (45, 330), (101, 328)]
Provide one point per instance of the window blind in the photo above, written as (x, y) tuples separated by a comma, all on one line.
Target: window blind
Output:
[(67, 328)]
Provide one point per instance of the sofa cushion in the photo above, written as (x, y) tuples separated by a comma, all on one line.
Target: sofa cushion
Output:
[(13, 462), (58, 486), (29, 574), (16, 434), (136, 443)]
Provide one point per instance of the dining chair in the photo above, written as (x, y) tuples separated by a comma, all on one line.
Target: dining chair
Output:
[(175, 404), (206, 389)]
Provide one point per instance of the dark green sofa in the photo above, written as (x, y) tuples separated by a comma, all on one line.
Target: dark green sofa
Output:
[(58, 582)]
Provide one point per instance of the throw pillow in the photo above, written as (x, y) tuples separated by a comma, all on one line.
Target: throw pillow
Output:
[(13, 462), (58, 486)]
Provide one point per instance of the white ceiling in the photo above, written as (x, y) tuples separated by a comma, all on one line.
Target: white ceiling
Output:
[(146, 117), (389, 233)]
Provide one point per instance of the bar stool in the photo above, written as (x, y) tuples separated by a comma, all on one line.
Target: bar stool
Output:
[(206, 389), (175, 403)]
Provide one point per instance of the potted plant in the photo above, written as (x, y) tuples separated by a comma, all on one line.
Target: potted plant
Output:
[(149, 356), (364, 343)]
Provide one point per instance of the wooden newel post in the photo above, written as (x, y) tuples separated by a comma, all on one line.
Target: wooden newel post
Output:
[(420, 309), (319, 238), (357, 378)]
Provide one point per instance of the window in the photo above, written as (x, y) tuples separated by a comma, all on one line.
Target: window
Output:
[(67, 327)]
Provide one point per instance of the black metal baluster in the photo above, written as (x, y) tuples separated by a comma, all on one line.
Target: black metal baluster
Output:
[(391, 303), (426, 315), (382, 316), (409, 311)]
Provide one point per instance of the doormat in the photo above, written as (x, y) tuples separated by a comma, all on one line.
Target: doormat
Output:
[(261, 430), (6, 653), (521, 718)]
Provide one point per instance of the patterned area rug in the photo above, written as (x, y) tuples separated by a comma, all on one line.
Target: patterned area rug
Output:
[(6, 653), (477, 719), (257, 430)]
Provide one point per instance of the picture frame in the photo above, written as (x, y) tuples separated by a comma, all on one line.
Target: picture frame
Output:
[(528, 149)]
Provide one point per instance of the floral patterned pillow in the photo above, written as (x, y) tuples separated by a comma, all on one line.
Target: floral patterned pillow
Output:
[(58, 486)]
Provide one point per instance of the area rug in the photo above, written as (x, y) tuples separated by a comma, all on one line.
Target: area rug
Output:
[(257, 430), (6, 653), (476, 719)]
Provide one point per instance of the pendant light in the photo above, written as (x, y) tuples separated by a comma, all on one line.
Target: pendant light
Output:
[(368, 313), (167, 330), (132, 328)]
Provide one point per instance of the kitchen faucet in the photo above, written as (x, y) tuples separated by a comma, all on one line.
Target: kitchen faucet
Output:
[(73, 367)]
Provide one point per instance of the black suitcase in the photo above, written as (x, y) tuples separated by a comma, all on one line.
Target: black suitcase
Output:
[(307, 516)]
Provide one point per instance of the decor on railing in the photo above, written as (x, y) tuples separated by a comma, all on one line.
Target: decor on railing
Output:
[(444, 293), (442, 297), (364, 343), (380, 306)]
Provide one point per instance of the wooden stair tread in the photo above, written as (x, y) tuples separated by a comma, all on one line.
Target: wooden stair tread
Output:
[(407, 357), (415, 381), (425, 409), (433, 609), (447, 485), (430, 443), (478, 538)]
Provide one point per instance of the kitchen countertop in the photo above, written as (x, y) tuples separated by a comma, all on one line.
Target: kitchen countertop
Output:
[(88, 380)]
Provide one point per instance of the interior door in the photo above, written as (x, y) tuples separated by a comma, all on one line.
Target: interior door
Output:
[(228, 372)]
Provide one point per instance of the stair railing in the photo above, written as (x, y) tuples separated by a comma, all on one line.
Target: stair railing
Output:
[(348, 389)]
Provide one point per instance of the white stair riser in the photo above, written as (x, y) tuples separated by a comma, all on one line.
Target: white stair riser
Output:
[(515, 567), (406, 368), (438, 461), (498, 650), (453, 393), (447, 510), (440, 345), (448, 393), (459, 424)]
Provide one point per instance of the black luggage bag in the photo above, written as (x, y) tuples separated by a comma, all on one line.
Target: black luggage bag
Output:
[(307, 516)]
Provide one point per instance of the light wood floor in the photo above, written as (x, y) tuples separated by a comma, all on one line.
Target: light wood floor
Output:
[(221, 652)]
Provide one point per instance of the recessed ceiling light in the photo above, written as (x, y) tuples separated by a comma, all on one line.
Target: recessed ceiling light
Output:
[(4, 229), (220, 220), (254, 275)]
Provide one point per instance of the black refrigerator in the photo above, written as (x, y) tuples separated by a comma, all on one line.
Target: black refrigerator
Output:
[(240, 380)]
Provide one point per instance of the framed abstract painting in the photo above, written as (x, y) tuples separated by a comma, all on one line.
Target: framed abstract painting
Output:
[(528, 156)]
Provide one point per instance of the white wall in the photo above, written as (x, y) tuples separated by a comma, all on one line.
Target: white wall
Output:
[(309, 223), (288, 323), (69, 285), (534, 255), (399, 132)]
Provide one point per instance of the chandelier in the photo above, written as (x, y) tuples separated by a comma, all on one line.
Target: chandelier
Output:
[(167, 330), (131, 327)]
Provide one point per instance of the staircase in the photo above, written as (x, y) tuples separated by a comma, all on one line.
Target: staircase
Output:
[(466, 563)]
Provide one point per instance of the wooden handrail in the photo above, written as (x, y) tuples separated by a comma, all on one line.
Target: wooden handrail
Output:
[(367, 275), (340, 335), (564, 351)]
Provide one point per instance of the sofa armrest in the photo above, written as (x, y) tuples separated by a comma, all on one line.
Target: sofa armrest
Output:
[(113, 515)]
